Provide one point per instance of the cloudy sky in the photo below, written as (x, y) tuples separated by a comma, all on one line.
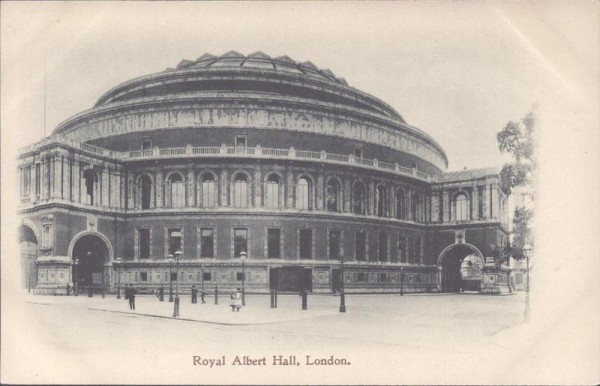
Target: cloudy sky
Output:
[(459, 71)]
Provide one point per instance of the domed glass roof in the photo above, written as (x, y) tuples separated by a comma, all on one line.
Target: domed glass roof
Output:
[(260, 61)]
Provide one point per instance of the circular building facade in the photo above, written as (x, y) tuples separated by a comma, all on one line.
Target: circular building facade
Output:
[(258, 170)]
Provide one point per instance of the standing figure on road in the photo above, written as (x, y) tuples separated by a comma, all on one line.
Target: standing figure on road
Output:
[(131, 297), (68, 289), (194, 295), (202, 294), (236, 300), (161, 293)]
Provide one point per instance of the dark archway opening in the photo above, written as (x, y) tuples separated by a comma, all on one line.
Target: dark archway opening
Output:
[(461, 269), (90, 252), (28, 246)]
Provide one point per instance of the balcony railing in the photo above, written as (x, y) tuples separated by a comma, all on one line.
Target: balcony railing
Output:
[(230, 151)]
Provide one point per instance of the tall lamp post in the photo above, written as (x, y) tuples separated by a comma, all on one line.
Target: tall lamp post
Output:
[(342, 294), (118, 271), (202, 277), (30, 263), (243, 257), (170, 258), (76, 277), (527, 252), (401, 281), (178, 256)]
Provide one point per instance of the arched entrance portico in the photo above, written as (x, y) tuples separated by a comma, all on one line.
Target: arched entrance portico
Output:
[(461, 268), (28, 245), (90, 252)]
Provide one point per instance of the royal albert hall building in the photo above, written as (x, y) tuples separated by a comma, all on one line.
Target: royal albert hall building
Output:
[(269, 159)]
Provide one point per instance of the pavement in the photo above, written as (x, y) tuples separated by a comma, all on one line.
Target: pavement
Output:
[(435, 339), (256, 312)]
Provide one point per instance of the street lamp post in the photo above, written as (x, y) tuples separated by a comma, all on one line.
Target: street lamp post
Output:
[(202, 278), (30, 259), (118, 277), (178, 256), (76, 278), (170, 258), (401, 281), (243, 257), (342, 294), (103, 289), (526, 252)]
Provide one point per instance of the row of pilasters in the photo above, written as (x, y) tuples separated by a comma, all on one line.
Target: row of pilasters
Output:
[(485, 200), (160, 195)]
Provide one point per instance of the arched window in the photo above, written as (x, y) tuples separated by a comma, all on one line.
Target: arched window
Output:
[(416, 208), (209, 190), (177, 190), (90, 185), (240, 191), (400, 205), (333, 195), (462, 207), (381, 201), (303, 190), (358, 198), (272, 192), (146, 187)]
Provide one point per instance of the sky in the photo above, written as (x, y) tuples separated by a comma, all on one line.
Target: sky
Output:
[(459, 71)]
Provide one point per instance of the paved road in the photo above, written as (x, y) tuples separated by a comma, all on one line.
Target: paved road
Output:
[(385, 338)]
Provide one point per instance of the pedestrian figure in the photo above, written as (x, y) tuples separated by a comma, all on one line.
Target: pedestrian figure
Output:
[(161, 293), (236, 300), (202, 294), (126, 292), (131, 297), (68, 290), (194, 295)]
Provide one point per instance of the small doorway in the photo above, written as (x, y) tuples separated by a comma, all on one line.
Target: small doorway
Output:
[(90, 253)]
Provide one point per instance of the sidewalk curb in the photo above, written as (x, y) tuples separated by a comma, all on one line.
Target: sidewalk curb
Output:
[(194, 320)]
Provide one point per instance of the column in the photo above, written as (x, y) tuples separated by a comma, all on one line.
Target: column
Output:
[(474, 202), (485, 201), (320, 198), (105, 186), (121, 178), (258, 186), (190, 186), (76, 180), (130, 190), (435, 206), (409, 200), (66, 177), (446, 206), (32, 195), (494, 203), (224, 179), (392, 201), (289, 177), (371, 198), (158, 179), (346, 194)]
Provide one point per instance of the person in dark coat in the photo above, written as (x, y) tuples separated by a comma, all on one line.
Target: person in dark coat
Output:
[(161, 293), (131, 297), (194, 295), (202, 294)]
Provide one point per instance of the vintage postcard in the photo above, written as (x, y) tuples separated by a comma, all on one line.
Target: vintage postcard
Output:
[(300, 193)]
